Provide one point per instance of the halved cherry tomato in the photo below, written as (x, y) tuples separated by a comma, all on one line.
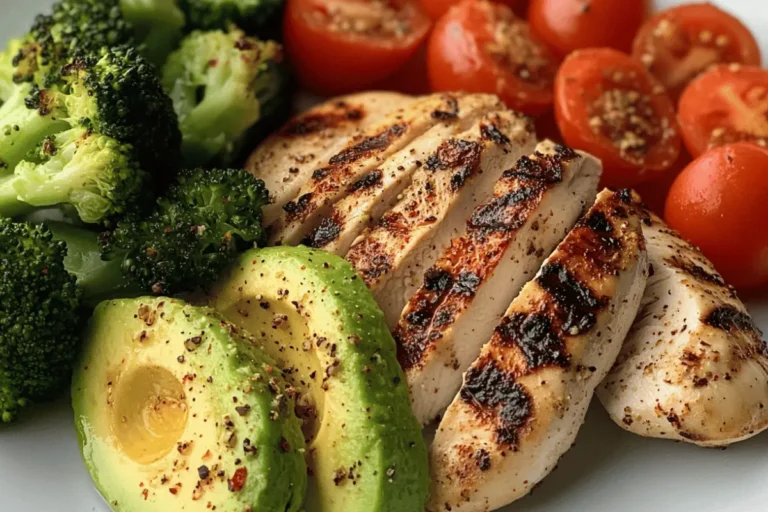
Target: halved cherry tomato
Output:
[(568, 25), (719, 203), (410, 78), (339, 46), (724, 105), (436, 8), (679, 43), (480, 46), (655, 192), (606, 103)]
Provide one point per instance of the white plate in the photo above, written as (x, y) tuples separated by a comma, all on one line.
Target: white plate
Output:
[(608, 469)]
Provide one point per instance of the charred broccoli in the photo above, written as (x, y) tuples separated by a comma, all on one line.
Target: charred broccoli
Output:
[(40, 317), (195, 231), (88, 138), (253, 16), (222, 84)]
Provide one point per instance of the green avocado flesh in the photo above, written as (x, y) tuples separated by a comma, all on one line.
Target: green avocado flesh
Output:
[(320, 322), (178, 410)]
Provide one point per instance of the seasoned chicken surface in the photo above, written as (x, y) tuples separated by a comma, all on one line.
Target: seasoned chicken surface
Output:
[(285, 160), (368, 198), (524, 399), (360, 156), (694, 367), (457, 177), (462, 297)]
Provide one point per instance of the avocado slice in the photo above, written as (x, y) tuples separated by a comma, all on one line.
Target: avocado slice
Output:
[(177, 409), (320, 322)]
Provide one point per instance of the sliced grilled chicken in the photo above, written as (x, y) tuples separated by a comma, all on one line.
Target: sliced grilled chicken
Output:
[(368, 198), (285, 160), (363, 154), (462, 297), (694, 367), (524, 399), (393, 255)]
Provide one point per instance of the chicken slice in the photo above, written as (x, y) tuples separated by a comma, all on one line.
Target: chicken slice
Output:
[(694, 367), (361, 155), (524, 399), (375, 192), (286, 159), (462, 297), (392, 256)]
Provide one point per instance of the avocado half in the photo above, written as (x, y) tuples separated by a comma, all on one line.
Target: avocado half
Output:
[(177, 409), (319, 321)]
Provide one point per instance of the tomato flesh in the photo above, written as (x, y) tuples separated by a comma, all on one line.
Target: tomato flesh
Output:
[(480, 46), (679, 43), (719, 203), (609, 105), (726, 104), (568, 25), (339, 46)]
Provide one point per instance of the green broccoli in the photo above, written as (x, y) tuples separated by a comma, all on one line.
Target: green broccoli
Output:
[(157, 25), (89, 139), (195, 231), (222, 84), (40, 317), (253, 16)]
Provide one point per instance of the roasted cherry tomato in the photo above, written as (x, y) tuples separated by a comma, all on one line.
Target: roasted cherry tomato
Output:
[(339, 46), (568, 25), (480, 46), (679, 43), (436, 8), (719, 203), (724, 105), (411, 78), (655, 192), (606, 103)]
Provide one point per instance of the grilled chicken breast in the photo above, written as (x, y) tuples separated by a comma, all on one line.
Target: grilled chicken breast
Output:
[(286, 159), (461, 174), (524, 399), (363, 154), (462, 297), (694, 367), (369, 197)]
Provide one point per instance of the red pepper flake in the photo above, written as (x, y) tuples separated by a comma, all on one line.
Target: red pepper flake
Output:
[(238, 479), (173, 490), (145, 493)]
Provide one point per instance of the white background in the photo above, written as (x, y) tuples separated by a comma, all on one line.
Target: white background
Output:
[(608, 470)]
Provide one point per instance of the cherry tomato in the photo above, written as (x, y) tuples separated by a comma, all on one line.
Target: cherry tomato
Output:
[(436, 8), (726, 104), (606, 103), (546, 127), (679, 43), (568, 25), (719, 203), (338, 46), (411, 78), (480, 46), (655, 192)]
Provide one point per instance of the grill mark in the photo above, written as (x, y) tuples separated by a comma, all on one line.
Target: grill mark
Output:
[(393, 222), (368, 146), (491, 132), (437, 280), (695, 271), (466, 284), (728, 318), (319, 174), (535, 336), (370, 180), (598, 222), (577, 305), (494, 395), (370, 260), (295, 208), (326, 232), (494, 217), (318, 121), (453, 153), (451, 113)]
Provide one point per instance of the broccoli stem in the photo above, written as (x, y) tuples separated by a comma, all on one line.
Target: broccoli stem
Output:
[(10, 205), (98, 279), (22, 128)]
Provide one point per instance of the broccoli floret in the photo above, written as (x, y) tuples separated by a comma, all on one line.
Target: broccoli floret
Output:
[(157, 24), (253, 16), (86, 138), (195, 231), (40, 317), (222, 84)]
